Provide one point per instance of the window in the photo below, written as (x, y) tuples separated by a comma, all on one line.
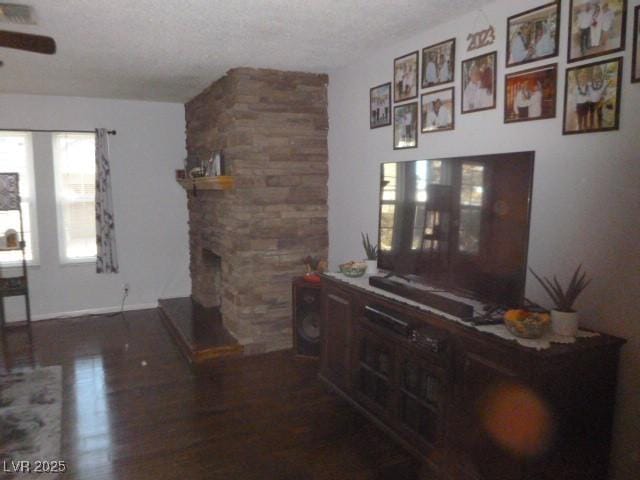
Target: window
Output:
[(16, 155), (75, 179), (428, 175), (471, 201), (388, 207)]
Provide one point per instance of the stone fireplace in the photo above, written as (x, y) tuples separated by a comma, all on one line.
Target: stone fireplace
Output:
[(247, 243)]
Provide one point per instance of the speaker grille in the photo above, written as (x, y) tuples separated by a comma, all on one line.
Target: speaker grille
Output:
[(306, 318), (308, 325)]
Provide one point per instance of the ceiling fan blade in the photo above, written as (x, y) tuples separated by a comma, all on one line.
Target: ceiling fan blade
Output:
[(28, 42)]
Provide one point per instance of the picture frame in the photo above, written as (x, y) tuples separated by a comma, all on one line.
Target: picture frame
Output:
[(380, 106), (479, 83), (635, 69), (439, 63), (596, 27), (405, 126), (531, 94), (437, 110), (581, 113), (533, 35), (405, 77)]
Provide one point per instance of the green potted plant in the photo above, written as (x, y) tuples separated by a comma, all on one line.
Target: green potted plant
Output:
[(371, 252), (564, 318)]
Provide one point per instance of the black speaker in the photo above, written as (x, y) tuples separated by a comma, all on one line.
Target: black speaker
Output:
[(306, 318)]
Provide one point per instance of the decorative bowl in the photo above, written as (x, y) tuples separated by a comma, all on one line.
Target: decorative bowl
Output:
[(525, 324), (353, 269)]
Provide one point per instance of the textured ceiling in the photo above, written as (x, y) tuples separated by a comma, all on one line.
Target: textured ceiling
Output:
[(171, 49)]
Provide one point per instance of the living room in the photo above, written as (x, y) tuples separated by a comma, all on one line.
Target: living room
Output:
[(296, 107)]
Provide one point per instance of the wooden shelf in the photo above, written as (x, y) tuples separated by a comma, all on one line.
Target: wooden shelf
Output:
[(208, 183), (10, 249)]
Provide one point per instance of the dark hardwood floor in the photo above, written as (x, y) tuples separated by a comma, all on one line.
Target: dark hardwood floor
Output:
[(134, 409)]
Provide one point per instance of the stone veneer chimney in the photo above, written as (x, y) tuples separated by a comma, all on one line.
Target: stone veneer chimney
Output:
[(247, 243)]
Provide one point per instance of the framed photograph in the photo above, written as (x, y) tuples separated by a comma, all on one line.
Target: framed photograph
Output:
[(533, 35), (635, 70), (380, 106), (438, 63), (531, 94), (596, 27), (405, 77), (437, 110), (405, 126), (479, 83), (592, 97)]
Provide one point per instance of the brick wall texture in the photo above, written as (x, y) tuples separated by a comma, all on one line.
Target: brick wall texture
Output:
[(272, 126)]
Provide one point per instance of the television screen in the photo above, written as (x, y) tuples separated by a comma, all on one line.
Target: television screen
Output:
[(459, 223)]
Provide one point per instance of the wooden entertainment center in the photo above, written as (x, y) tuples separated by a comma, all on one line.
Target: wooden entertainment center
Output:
[(430, 388)]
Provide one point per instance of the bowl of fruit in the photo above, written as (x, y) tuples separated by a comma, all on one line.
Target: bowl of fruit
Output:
[(526, 324), (353, 269)]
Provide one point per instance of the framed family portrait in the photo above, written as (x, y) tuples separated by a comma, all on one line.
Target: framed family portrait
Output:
[(596, 27), (533, 35), (531, 94), (438, 63), (437, 110), (405, 77), (380, 106), (635, 69), (592, 97), (405, 126), (479, 83)]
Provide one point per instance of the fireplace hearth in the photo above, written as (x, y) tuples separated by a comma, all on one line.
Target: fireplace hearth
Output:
[(198, 331)]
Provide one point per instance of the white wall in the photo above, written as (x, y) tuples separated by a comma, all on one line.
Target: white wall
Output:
[(586, 197), (150, 207)]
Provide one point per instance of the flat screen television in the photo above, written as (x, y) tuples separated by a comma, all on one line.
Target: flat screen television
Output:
[(459, 223)]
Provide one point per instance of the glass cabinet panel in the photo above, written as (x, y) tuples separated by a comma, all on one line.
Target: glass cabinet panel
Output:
[(421, 397), (374, 369)]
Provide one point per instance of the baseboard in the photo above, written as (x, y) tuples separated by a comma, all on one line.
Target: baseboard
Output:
[(91, 311)]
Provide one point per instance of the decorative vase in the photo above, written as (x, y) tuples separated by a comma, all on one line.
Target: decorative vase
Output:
[(564, 323), (372, 266)]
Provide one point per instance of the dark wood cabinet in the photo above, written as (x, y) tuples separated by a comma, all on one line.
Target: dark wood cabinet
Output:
[(426, 381), (336, 334)]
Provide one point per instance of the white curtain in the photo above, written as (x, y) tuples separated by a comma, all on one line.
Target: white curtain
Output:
[(107, 257)]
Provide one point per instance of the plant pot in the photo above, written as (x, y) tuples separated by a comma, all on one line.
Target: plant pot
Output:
[(564, 323), (312, 277), (372, 266)]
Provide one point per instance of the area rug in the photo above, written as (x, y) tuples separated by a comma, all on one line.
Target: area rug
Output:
[(30, 416)]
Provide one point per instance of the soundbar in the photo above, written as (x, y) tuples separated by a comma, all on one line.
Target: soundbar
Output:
[(425, 297)]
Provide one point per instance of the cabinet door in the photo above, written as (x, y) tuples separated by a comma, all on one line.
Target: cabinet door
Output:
[(374, 372), (479, 375), (336, 337), (423, 397), (472, 451)]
